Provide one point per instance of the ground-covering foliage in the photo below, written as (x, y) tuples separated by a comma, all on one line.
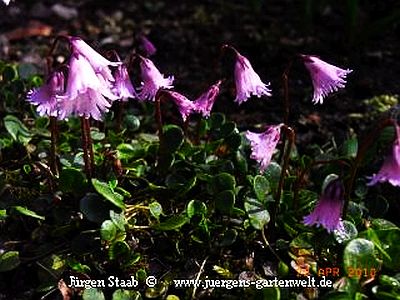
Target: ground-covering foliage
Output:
[(204, 198)]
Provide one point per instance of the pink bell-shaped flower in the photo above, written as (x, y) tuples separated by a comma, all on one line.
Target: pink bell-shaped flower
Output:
[(85, 92), (153, 80), (205, 102), (263, 145), (45, 97), (326, 78), (123, 87), (185, 106), (148, 48), (99, 63), (390, 170), (328, 210), (247, 80)]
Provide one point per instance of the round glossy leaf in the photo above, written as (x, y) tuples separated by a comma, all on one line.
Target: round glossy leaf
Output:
[(105, 190), (131, 122), (118, 250), (156, 209), (349, 232), (258, 214), (196, 208), (360, 254), (261, 187), (216, 120), (94, 208), (108, 230), (229, 238), (9, 260), (233, 141), (93, 294), (225, 201), (223, 181), (173, 138), (126, 295), (172, 223), (72, 180), (273, 173), (9, 73)]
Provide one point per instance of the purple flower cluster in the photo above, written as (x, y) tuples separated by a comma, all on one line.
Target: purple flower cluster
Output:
[(90, 87)]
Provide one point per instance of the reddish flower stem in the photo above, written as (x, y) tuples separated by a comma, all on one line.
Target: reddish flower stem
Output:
[(53, 148), (286, 102), (86, 158), (368, 141), (290, 134)]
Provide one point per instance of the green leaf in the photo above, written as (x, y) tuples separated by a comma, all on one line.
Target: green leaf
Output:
[(196, 208), (17, 129), (108, 230), (118, 250), (126, 295), (96, 134), (348, 233), (216, 120), (156, 209), (350, 148), (229, 237), (94, 208), (72, 180), (273, 173), (9, 260), (131, 122), (130, 151), (225, 201), (223, 181), (104, 189), (261, 187), (172, 223), (118, 219), (360, 254), (3, 214), (27, 212), (9, 73), (173, 138), (93, 294), (258, 214)]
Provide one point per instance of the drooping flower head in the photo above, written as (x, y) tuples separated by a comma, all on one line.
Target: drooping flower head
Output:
[(153, 80), (326, 78), (247, 81), (6, 2), (263, 145), (328, 210), (45, 97), (99, 63), (85, 92), (390, 170), (205, 102), (123, 87), (185, 106), (148, 48)]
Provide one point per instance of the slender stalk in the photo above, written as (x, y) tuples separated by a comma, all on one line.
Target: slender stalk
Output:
[(158, 116), (290, 134), (90, 146), (286, 102), (53, 148), (120, 113), (368, 141), (88, 169)]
